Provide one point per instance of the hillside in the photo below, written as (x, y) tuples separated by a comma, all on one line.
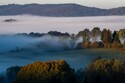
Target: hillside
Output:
[(58, 10)]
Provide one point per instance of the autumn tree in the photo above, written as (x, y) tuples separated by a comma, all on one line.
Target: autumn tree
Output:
[(85, 44), (105, 71), (106, 37), (95, 34), (94, 45), (124, 44), (121, 33), (85, 34), (46, 72)]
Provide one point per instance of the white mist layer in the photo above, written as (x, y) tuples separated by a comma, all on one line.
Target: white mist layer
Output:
[(122, 40), (45, 43), (27, 23), (97, 39)]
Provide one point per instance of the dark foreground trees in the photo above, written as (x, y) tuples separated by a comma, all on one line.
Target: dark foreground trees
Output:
[(105, 71), (11, 73), (98, 71), (2, 79), (46, 72)]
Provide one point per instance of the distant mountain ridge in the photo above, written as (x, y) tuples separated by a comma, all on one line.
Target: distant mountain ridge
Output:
[(58, 10)]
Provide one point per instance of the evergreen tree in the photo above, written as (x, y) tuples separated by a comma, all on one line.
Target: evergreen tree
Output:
[(116, 41), (115, 37)]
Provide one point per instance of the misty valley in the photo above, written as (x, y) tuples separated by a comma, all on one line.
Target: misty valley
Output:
[(36, 49)]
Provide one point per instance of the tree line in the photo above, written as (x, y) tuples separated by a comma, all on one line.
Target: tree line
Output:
[(94, 38), (101, 39), (98, 71)]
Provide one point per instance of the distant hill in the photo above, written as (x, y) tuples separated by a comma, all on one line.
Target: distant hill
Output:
[(58, 10)]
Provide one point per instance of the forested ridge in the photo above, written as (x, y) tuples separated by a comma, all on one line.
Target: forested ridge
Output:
[(58, 10)]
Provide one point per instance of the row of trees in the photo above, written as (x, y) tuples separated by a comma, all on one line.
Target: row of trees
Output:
[(52, 33), (91, 39), (99, 39), (98, 71)]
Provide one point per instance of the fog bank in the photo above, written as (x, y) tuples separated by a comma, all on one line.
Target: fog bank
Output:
[(27, 23), (44, 43)]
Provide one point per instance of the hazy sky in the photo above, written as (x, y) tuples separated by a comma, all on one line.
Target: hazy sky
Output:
[(92, 3)]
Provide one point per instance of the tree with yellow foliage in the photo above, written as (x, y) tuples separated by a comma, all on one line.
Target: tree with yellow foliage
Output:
[(105, 71), (46, 72)]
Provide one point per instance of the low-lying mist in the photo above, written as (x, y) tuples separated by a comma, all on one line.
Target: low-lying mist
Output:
[(11, 42), (28, 23), (44, 43)]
